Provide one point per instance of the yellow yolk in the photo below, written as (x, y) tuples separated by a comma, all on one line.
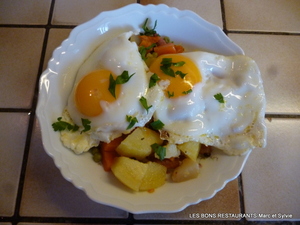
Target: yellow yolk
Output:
[(178, 86), (92, 89)]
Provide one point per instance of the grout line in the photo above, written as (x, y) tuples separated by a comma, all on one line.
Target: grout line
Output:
[(223, 16)]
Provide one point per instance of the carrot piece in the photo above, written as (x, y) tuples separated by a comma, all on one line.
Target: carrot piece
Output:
[(108, 152), (179, 49), (108, 160), (165, 49), (146, 41)]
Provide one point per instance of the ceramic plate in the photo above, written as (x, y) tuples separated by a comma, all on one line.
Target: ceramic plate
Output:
[(183, 27)]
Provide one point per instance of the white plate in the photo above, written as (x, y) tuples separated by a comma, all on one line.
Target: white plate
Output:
[(56, 82)]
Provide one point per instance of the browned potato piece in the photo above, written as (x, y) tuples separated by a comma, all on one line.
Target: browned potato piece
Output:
[(189, 169), (155, 176), (139, 176), (129, 171), (138, 143), (191, 149)]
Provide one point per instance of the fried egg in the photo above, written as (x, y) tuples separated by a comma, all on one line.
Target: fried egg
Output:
[(92, 99), (192, 111)]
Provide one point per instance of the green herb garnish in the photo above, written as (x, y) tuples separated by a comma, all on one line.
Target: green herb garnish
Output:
[(166, 64), (159, 150), (219, 97), (147, 31), (144, 103), (170, 94), (121, 79), (144, 50), (132, 120), (86, 124), (181, 74), (153, 79), (63, 125), (187, 92), (157, 125)]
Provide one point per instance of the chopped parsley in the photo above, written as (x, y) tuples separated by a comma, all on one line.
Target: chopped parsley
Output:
[(144, 50), (63, 125), (86, 124), (157, 125), (219, 97), (166, 64), (121, 79), (147, 31), (170, 94), (144, 103), (153, 80), (159, 150), (181, 74), (187, 92), (132, 120)]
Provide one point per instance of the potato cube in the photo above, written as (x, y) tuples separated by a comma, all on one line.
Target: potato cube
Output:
[(191, 149), (129, 171), (138, 143), (155, 176)]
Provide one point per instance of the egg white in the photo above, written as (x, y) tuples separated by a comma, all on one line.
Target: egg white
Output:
[(235, 126), (116, 55)]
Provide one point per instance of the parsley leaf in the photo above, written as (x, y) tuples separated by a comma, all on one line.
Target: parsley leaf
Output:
[(153, 79), (143, 100), (132, 120), (112, 86), (181, 74), (219, 97), (187, 92), (157, 125), (121, 79), (63, 125), (170, 94), (159, 150), (166, 64), (144, 50), (147, 31), (167, 70), (86, 124)]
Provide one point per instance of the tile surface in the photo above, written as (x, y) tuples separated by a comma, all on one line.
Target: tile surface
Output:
[(277, 57), (209, 10), (263, 15), (75, 12), (47, 193), (12, 138), (20, 53), (271, 177), (24, 11)]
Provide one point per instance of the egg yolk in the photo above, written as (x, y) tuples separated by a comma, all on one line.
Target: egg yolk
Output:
[(92, 89), (180, 85)]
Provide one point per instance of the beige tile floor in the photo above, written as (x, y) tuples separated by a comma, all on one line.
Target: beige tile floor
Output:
[(32, 188)]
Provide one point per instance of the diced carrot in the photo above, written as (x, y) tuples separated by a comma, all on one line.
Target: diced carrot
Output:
[(165, 49), (179, 49), (111, 146), (108, 152), (146, 41), (108, 159)]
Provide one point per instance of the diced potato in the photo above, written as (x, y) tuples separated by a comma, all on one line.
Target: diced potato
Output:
[(189, 169), (138, 143), (137, 175), (155, 176), (171, 151), (191, 149), (129, 171)]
